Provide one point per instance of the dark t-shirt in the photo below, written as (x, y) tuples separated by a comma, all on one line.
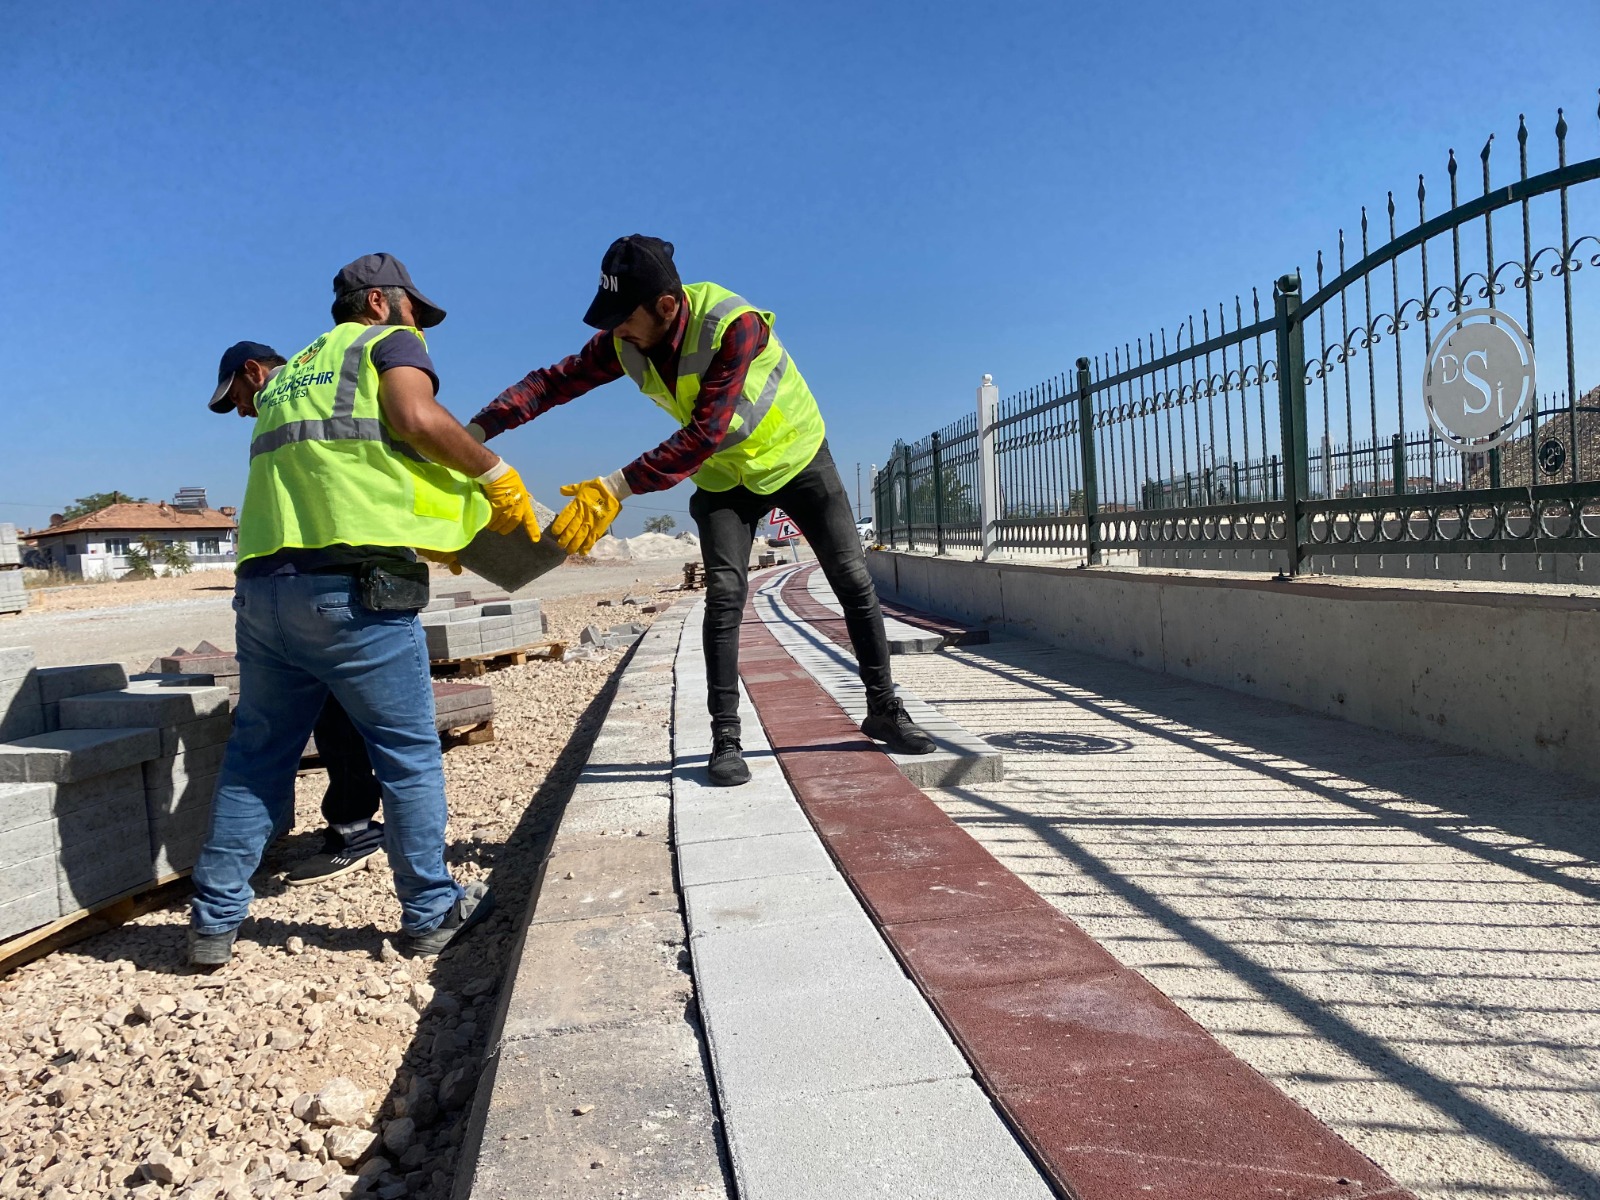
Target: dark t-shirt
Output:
[(396, 350)]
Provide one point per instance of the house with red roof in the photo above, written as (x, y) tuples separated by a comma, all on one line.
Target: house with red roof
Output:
[(96, 545)]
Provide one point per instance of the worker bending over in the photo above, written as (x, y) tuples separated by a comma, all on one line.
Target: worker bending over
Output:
[(751, 437)]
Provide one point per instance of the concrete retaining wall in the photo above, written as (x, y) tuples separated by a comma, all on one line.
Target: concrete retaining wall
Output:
[(1516, 676)]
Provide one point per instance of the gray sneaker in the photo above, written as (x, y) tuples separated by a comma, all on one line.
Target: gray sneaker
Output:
[(210, 949), (468, 911)]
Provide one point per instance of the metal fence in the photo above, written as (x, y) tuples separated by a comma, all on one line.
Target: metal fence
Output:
[(1295, 422)]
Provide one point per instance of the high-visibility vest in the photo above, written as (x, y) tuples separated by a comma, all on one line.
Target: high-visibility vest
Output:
[(776, 426), (325, 468)]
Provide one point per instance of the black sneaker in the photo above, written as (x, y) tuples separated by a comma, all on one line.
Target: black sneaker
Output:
[(727, 766), (337, 857), (210, 949), (468, 911), (894, 726)]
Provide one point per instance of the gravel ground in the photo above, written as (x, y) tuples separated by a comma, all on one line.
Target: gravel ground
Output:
[(317, 1062)]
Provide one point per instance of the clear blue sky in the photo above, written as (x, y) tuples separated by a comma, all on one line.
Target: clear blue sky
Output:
[(921, 192)]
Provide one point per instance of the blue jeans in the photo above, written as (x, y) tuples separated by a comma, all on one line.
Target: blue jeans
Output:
[(301, 637)]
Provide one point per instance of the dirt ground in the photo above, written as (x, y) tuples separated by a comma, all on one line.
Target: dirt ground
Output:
[(317, 1062)]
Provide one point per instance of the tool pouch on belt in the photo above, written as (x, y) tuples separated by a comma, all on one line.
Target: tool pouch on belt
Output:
[(394, 587)]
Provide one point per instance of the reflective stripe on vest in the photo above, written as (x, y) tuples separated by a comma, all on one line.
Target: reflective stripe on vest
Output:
[(752, 414), (342, 425)]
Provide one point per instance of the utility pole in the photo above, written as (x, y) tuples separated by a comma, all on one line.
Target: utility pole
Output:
[(858, 491)]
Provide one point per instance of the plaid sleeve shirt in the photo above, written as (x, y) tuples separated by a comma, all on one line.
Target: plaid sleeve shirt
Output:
[(680, 456)]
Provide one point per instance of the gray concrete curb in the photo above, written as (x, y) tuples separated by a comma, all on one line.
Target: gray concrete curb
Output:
[(595, 1079)]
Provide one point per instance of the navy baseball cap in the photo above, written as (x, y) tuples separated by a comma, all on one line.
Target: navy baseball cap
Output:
[(381, 271), (635, 270), (234, 357)]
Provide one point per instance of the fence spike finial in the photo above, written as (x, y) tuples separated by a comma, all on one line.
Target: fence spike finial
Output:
[(1522, 129), (1451, 165), (1487, 146)]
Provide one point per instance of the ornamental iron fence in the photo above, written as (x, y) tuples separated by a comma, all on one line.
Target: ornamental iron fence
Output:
[(1296, 422)]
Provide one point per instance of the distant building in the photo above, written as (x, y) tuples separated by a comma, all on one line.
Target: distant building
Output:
[(96, 546)]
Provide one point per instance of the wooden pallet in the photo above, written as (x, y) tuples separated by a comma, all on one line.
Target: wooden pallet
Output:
[(86, 922), (469, 735), (474, 665), (694, 576)]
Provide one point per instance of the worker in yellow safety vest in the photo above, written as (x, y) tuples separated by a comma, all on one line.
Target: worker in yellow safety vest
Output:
[(353, 462), (750, 436)]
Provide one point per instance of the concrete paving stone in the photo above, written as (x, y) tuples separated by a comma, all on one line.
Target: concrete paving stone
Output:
[(932, 893), (609, 971), (199, 664), (488, 625), (164, 772), (139, 708), (762, 903), (842, 809), (16, 661), (114, 862), (837, 952), (919, 1141), (23, 842), (177, 852), (146, 680), (453, 641), (67, 799), (1212, 1130), (998, 948), (652, 1127), (21, 712), (1044, 1031), (933, 845), (706, 814), (88, 823), (180, 794), (751, 858), (595, 811), (24, 804), (27, 876), (611, 876), (30, 912), (816, 1042), (71, 755), (194, 735)]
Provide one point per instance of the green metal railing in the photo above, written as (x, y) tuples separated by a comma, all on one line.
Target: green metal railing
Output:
[(1229, 432)]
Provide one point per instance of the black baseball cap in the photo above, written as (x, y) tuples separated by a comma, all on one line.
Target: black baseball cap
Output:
[(635, 270), (234, 357), (381, 271)]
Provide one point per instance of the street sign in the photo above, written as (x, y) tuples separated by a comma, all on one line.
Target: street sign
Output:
[(783, 527), (1478, 383)]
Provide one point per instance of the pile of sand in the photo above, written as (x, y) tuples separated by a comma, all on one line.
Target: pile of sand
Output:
[(648, 547)]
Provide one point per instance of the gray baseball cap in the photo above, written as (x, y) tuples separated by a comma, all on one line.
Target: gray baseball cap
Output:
[(385, 270)]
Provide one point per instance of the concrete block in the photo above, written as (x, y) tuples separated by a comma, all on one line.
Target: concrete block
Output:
[(29, 912), (192, 735), (531, 606), (752, 858), (24, 803), (450, 616), (115, 861), (89, 823), (15, 661), (74, 755), (60, 683), (177, 854), (186, 794), (68, 798), (21, 711), (512, 560), (21, 843), (459, 640), (10, 554), (146, 708), (165, 771), (159, 679), (27, 877)]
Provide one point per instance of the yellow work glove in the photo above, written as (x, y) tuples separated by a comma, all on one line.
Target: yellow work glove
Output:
[(509, 499), (443, 557), (594, 505)]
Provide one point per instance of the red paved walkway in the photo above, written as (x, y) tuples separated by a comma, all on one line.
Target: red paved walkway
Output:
[(797, 595), (1118, 1093)]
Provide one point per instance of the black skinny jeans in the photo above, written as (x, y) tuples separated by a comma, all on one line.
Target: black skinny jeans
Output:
[(815, 499), (353, 793)]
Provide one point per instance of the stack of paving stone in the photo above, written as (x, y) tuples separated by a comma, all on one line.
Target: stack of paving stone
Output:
[(205, 659), (12, 596), (177, 781), (491, 627), (74, 825)]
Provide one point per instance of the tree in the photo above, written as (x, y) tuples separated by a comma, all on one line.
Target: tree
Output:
[(142, 559), (95, 501), (665, 523), (175, 557)]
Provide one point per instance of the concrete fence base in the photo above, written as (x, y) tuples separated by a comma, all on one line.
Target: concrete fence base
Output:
[(1512, 675)]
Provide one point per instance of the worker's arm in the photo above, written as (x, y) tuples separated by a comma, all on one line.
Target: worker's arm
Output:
[(680, 456), (542, 390), (406, 396)]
